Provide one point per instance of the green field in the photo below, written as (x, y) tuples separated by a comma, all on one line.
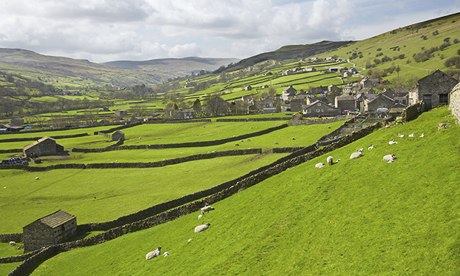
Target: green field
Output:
[(100, 195), (359, 216)]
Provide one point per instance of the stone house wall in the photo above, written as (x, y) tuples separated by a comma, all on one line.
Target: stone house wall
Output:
[(454, 105)]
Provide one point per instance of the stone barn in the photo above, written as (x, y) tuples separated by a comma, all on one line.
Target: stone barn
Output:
[(320, 109), (118, 135), (433, 90), (44, 146), (52, 229)]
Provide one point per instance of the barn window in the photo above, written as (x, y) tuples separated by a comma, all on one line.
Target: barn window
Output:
[(443, 98)]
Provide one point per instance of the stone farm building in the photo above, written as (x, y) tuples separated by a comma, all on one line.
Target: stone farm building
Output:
[(118, 135), (42, 147), (319, 109), (52, 229), (433, 90)]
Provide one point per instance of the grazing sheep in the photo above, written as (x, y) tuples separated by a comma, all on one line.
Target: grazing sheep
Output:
[(202, 227), (200, 216), (330, 160), (422, 135), (37, 178), (189, 240), (319, 165), (166, 254), (12, 243), (371, 147), (410, 135), (389, 158), (392, 142), (206, 209), (357, 154), (400, 135), (153, 254)]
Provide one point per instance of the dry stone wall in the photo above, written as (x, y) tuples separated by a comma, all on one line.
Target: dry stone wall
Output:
[(454, 104)]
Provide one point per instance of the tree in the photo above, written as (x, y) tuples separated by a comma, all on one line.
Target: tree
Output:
[(216, 106), (197, 107)]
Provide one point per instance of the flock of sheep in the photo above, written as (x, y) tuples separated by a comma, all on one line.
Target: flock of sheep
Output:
[(197, 229), (389, 158)]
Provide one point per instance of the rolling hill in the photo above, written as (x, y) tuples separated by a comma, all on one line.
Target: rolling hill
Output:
[(71, 72)]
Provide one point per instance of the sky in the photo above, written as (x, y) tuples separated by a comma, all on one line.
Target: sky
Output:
[(106, 30)]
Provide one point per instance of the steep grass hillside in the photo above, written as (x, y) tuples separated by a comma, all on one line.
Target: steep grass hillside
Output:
[(416, 50), (360, 216)]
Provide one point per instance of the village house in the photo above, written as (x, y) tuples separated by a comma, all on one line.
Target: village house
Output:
[(42, 147), (368, 83), (17, 121), (320, 108), (345, 102), (379, 102), (52, 229), (399, 95), (310, 69), (118, 135), (288, 93), (361, 97), (433, 90), (182, 114)]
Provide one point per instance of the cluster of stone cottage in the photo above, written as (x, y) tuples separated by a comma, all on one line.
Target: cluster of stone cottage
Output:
[(433, 90)]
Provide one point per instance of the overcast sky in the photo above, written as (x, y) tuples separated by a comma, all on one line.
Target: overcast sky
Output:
[(104, 30)]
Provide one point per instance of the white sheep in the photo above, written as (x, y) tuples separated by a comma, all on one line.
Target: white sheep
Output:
[(200, 216), (12, 243), (206, 209), (389, 158), (37, 178), (319, 165), (422, 135), (189, 240), (392, 142), (166, 254), (202, 227), (153, 254), (410, 135), (330, 160), (371, 147), (357, 154), (400, 135)]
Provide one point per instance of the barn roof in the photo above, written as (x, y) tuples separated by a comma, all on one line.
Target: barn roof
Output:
[(56, 219), (38, 142)]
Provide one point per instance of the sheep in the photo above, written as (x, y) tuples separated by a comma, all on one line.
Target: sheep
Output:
[(153, 254), (371, 147), (422, 135), (166, 254), (410, 135), (319, 165), (389, 158), (392, 142), (400, 135), (200, 216), (12, 243), (202, 227), (189, 240), (206, 209), (37, 178), (357, 154), (330, 160)]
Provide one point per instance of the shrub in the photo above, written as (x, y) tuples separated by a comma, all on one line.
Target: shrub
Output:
[(453, 62), (456, 41), (379, 49), (435, 33), (379, 54), (425, 55)]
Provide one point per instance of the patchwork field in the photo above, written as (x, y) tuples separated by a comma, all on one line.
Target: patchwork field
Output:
[(361, 216)]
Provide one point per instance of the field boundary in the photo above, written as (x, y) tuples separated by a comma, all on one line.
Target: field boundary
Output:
[(156, 164), (186, 144), (36, 138)]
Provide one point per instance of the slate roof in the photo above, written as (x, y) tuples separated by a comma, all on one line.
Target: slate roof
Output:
[(56, 219), (38, 142)]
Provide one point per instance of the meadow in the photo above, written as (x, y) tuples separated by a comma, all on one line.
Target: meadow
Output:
[(361, 216)]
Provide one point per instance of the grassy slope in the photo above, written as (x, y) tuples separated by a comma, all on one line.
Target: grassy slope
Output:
[(410, 42), (360, 216), (100, 195)]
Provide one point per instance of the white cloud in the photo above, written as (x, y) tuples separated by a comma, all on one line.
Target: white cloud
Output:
[(145, 29)]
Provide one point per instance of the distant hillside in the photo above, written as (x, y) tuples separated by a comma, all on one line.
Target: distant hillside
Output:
[(62, 71), (407, 53), (289, 53)]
